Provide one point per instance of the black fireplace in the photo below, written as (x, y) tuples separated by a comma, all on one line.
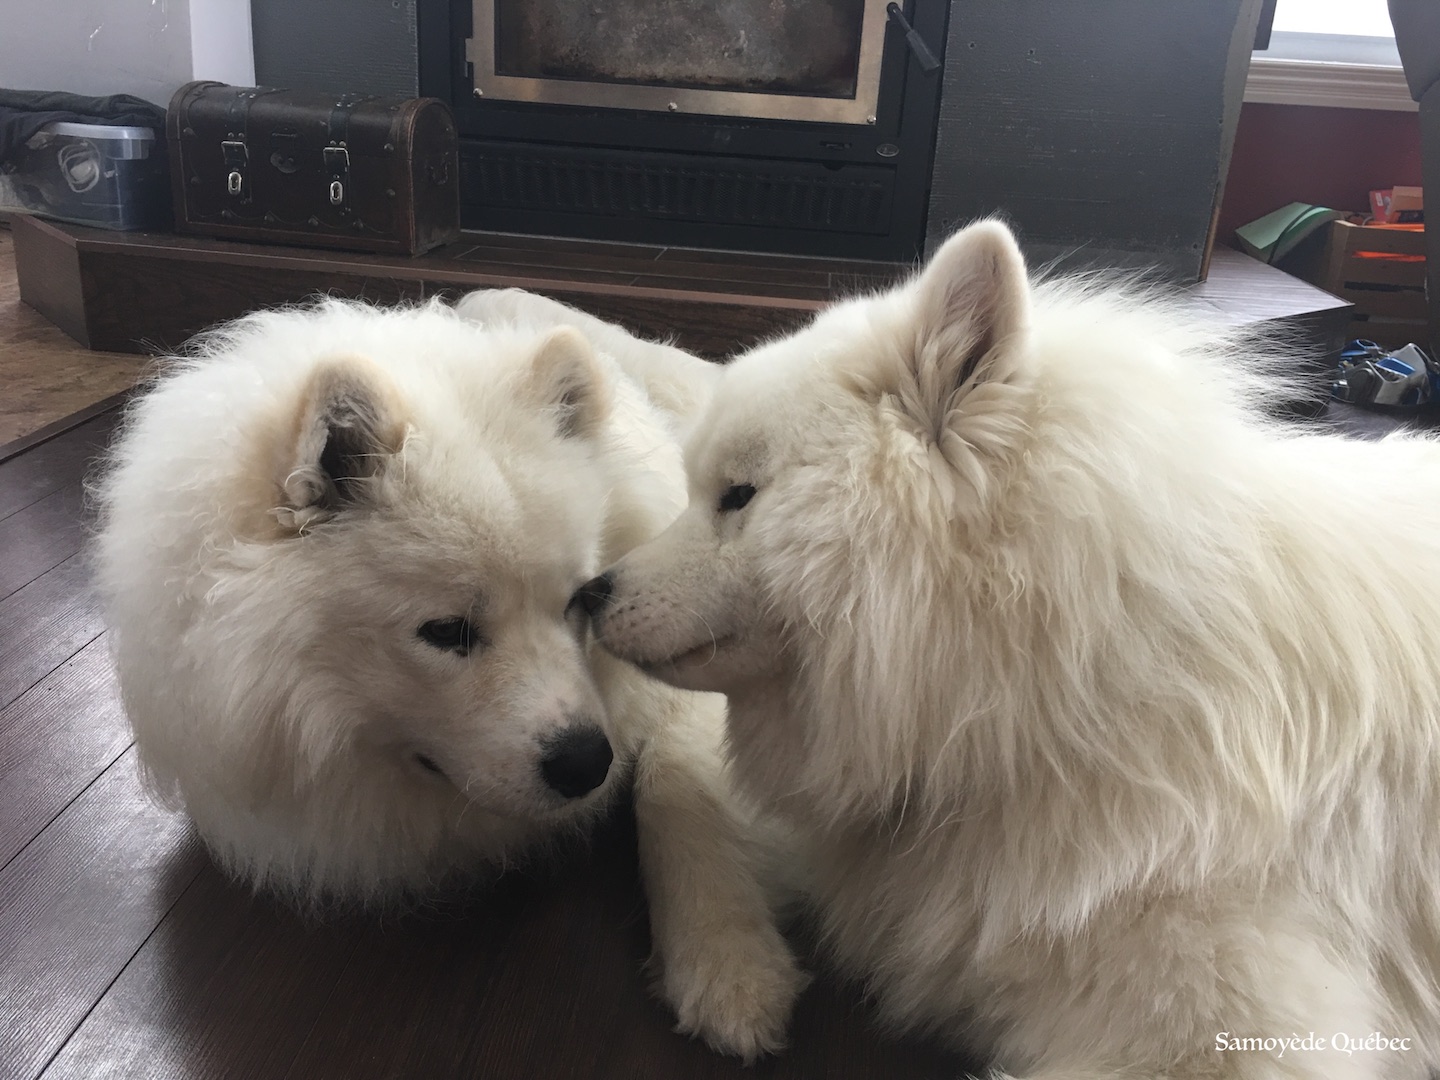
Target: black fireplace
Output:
[(798, 126)]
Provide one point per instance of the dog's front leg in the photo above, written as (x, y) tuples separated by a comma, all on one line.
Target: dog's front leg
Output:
[(718, 958)]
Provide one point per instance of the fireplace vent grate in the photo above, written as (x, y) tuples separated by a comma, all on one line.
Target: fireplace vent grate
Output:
[(731, 191)]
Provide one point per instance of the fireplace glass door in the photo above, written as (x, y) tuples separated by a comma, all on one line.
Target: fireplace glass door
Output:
[(813, 60)]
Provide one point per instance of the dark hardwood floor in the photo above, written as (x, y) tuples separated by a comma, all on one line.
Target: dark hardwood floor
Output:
[(124, 953)]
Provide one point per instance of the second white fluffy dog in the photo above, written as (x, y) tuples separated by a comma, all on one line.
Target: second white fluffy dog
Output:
[(1110, 708)]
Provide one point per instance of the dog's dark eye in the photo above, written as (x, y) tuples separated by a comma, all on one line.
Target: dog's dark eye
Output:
[(428, 764), (736, 496), (453, 635)]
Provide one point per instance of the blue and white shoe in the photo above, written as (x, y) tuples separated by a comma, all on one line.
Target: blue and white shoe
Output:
[(1371, 375)]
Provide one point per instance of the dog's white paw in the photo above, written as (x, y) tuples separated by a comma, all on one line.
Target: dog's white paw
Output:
[(736, 991)]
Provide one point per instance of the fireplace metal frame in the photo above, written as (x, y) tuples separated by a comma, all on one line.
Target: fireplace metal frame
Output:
[(861, 109), (800, 187)]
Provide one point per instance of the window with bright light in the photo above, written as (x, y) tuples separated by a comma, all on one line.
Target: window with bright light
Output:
[(1361, 18), (1339, 53), (1333, 31)]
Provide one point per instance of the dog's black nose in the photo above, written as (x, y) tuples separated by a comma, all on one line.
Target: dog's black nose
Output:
[(594, 594), (576, 761)]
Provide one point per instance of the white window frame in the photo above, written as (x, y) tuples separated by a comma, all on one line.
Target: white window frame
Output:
[(1329, 70)]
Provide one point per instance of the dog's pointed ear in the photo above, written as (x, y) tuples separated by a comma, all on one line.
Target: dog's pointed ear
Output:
[(566, 377), (970, 302), (349, 422)]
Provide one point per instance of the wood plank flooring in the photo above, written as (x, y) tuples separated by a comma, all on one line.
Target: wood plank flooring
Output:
[(44, 375), (125, 954)]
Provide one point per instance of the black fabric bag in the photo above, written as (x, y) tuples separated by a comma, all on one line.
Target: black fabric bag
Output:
[(24, 112)]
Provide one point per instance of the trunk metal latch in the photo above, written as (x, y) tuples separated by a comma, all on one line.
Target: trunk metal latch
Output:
[(237, 158), (337, 168)]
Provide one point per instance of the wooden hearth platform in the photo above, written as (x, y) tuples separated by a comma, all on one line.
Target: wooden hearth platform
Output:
[(148, 292)]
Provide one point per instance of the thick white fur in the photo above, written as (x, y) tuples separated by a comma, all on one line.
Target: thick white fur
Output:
[(1108, 707), (264, 616)]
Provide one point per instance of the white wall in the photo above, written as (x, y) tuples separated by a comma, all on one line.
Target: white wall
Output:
[(221, 46), (141, 47)]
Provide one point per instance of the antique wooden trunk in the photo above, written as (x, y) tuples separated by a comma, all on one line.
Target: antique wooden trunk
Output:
[(313, 169)]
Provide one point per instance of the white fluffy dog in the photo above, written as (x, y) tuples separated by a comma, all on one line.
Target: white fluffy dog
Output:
[(337, 553), (1110, 709)]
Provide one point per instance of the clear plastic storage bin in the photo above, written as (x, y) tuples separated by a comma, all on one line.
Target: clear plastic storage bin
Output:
[(90, 174)]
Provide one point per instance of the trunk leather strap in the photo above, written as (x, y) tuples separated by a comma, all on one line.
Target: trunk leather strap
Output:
[(235, 149), (337, 153)]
